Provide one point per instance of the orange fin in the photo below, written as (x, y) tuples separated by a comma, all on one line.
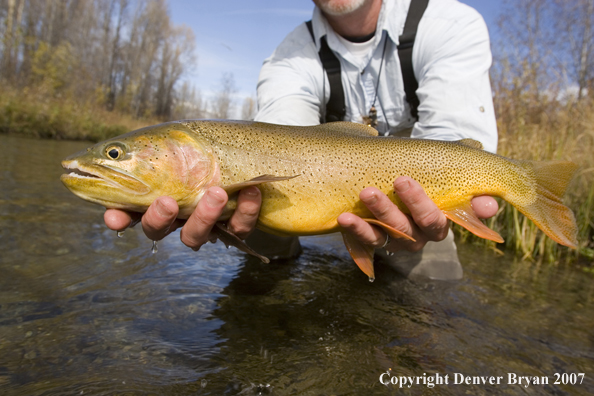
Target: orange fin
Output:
[(254, 182), (548, 211), (361, 253), (464, 215), (230, 239), (394, 233)]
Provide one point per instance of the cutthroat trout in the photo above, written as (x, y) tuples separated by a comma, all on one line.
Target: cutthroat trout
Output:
[(310, 175)]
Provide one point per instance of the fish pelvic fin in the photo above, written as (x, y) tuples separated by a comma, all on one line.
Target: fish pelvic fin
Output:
[(394, 233), (547, 210), (230, 239), (464, 215), (361, 253)]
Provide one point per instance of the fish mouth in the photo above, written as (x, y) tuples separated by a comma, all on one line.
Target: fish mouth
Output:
[(101, 175), (81, 174)]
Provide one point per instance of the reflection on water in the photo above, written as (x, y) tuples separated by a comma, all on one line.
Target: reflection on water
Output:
[(85, 312)]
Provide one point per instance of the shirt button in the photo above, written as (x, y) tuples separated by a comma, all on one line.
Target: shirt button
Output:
[(482, 109)]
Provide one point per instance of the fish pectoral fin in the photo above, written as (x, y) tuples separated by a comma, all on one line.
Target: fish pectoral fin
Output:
[(361, 253), (394, 233), (230, 239), (230, 189), (464, 215)]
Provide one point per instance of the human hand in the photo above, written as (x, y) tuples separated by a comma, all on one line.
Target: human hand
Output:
[(160, 218), (426, 221)]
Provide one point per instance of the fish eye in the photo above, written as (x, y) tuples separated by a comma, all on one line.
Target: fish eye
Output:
[(114, 152)]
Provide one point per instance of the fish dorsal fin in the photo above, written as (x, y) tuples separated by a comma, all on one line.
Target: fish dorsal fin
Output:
[(471, 143), (351, 128)]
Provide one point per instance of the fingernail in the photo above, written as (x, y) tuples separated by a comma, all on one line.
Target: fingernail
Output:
[(213, 199), (402, 186), (369, 199), (251, 191), (163, 210)]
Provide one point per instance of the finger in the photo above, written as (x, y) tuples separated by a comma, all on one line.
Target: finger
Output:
[(385, 210), (485, 206), (159, 217), (244, 219), (426, 215), (363, 231), (195, 232), (118, 220)]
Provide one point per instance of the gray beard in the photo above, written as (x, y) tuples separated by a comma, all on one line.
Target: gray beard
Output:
[(341, 9)]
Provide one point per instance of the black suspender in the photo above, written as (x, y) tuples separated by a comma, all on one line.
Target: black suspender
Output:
[(405, 49), (336, 110)]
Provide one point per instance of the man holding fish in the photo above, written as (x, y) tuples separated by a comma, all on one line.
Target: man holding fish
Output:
[(450, 61)]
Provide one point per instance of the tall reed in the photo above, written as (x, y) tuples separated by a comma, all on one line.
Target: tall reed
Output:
[(546, 130)]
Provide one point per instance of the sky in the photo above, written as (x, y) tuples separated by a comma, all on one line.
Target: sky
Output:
[(235, 36)]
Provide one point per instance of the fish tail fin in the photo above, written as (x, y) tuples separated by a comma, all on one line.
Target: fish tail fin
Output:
[(547, 211)]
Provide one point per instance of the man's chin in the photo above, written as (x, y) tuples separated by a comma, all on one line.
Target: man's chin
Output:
[(339, 7)]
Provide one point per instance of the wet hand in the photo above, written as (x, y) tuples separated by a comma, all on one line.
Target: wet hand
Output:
[(426, 221), (161, 217)]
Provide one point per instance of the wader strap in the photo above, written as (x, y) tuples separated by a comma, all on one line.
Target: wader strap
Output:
[(335, 109), (405, 49)]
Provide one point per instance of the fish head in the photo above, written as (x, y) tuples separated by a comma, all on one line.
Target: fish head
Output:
[(130, 171)]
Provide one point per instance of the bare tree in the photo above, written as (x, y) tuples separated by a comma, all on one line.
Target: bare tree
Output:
[(177, 51), (189, 103), (223, 101), (574, 21), (11, 37), (525, 49), (248, 110), (126, 53)]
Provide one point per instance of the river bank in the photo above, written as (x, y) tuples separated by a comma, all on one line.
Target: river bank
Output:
[(33, 113)]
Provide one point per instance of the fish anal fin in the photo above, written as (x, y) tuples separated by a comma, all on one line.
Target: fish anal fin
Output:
[(464, 215), (232, 188), (394, 233), (361, 253), (230, 239)]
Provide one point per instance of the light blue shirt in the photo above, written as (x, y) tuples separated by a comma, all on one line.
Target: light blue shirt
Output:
[(451, 61)]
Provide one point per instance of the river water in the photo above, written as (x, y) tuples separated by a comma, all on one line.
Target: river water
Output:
[(83, 312)]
